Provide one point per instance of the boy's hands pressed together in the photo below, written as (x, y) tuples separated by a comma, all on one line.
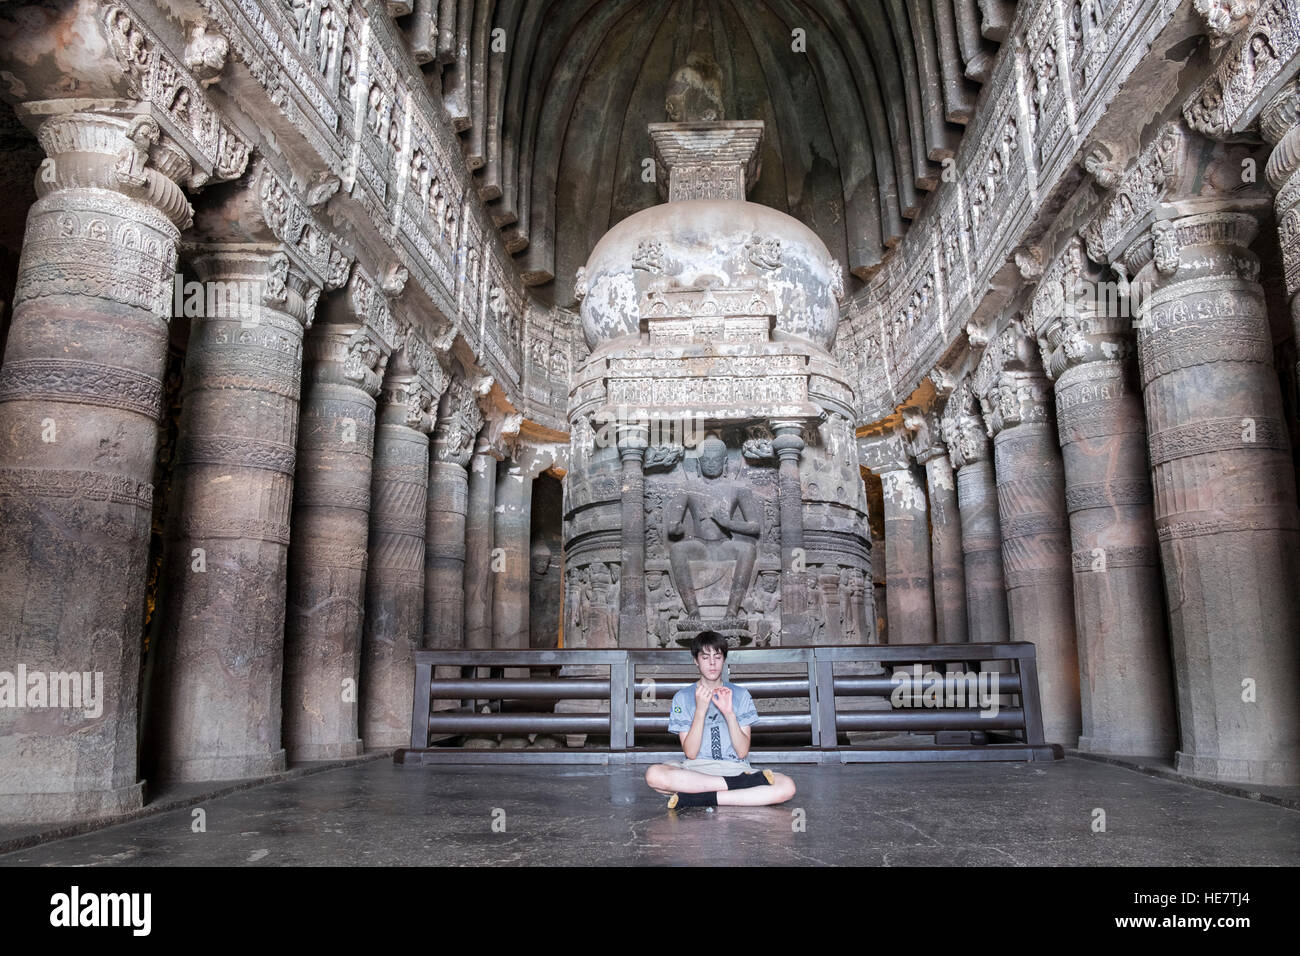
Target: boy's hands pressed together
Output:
[(702, 696)]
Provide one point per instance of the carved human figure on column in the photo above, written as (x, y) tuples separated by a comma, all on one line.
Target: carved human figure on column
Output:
[(702, 524)]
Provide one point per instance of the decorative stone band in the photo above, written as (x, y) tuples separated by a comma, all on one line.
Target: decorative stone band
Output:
[(323, 554), (83, 243), (445, 550), (385, 522), (1107, 494), (88, 485), (1100, 419), (1217, 435), (1036, 577), (81, 383), (237, 452), (1183, 525), (1032, 525), (321, 494), (411, 471), (1106, 559), (241, 370), (219, 526), (973, 545)]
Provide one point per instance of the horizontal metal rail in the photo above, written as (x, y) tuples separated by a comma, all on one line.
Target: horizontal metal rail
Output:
[(823, 721)]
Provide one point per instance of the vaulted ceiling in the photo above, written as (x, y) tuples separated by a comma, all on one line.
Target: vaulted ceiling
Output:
[(862, 100)]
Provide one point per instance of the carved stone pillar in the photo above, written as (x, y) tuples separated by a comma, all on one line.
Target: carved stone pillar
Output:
[(480, 540), (946, 556), (80, 398), (344, 366), (394, 617), (513, 536), (1225, 497), (908, 580), (1014, 394), (981, 531), (789, 445), (459, 421), (632, 441), (1126, 694), (215, 698)]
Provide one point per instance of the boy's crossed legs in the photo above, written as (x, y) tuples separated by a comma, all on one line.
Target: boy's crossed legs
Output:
[(675, 781)]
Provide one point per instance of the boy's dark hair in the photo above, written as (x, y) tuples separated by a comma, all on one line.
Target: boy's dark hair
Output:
[(708, 639)]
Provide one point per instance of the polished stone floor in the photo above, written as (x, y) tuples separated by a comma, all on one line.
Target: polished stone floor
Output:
[(877, 815)]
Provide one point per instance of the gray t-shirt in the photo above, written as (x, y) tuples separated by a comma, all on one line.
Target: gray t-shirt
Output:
[(716, 743)]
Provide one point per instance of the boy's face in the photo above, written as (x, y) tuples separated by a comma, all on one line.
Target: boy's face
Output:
[(710, 661)]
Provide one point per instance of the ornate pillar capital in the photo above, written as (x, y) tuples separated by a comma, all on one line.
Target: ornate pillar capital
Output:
[(1078, 317), (1016, 398), (633, 439), (459, 421), (405, 399), (883, 452), (963, 430), (925, 434), (1206, 245), (126, 154), (788, 442)]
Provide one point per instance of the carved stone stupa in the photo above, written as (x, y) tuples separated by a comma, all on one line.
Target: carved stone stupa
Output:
[(715, 481)]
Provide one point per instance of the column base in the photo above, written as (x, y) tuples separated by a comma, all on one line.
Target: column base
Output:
[(1280, 773), (68, 805), (237, 767), (1127, 747), (339, 751), (388, 740), (1062, 736)]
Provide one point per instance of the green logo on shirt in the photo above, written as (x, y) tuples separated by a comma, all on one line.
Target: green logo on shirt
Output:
[(677, 710)]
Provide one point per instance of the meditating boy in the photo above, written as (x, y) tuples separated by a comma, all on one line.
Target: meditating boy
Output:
[(713, 721)]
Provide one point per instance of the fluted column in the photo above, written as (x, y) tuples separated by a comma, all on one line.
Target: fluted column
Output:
[(909, 594), (215, 699), (632, 439), (788, 444), (1126, 693), (946, 558), (394, 617), (1225, 497), (444, 557), (80, 399), (1035, 534), (344, 366), (981, 531)]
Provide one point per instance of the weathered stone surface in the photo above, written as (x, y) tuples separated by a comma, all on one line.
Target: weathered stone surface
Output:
[(215, 702), (908, 576), (1014, 397), (394, 619), (1126, 694), (946, 556), (1225, 498), (80, 400), (981, 531), (343, 367)]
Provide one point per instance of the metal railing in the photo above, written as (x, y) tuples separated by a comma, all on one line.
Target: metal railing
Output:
[(1009, 733)]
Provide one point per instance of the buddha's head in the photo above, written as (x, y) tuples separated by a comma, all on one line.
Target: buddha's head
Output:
[(713, 456)]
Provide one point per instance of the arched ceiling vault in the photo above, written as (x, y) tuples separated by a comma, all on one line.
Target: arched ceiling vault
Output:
[(862, 101)]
